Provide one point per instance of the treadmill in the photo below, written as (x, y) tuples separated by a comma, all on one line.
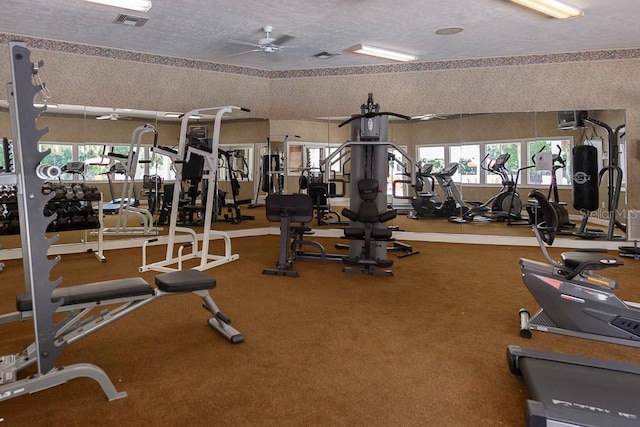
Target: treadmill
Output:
[(576, 391)]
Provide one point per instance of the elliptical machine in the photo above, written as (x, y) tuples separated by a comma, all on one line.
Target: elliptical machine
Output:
[(504, 206), (427, 203), (557, 163)]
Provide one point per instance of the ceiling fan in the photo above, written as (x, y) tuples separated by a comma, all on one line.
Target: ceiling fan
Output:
[(424, 117), (431, 116), (267, 44), (112, 116)]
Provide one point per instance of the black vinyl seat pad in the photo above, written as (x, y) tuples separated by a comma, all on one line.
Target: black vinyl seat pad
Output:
[(172, 282)]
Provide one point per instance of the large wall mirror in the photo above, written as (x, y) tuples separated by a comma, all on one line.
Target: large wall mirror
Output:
[(471, 141), (94, 138)]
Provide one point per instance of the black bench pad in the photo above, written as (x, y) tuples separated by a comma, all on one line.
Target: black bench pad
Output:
[(92, 292), (185, 281)]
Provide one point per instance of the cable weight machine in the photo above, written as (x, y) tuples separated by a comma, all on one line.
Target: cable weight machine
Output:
[(369, 147)]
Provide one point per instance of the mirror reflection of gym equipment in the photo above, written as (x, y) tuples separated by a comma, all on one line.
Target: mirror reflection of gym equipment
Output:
[(233, 162), (271, 172), (506, 205), (312, 181), (587, 179), (427, 202), (127, 206)]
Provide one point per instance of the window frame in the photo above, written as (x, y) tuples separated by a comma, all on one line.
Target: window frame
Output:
[(522, 154), (337, 168)]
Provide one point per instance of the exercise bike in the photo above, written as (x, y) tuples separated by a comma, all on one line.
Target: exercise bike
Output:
[(575, 301)]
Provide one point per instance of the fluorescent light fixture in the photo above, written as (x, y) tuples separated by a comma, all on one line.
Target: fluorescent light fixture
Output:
[(137, 5), (179, 116), (383, 53), (554, 8)]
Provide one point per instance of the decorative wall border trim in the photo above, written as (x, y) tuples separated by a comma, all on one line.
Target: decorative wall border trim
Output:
[(502, 61)]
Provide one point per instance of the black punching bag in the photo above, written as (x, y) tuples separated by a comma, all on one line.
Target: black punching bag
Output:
[(585, 178), (266, 174)]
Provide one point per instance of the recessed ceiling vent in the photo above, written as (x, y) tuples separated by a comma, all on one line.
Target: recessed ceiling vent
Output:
[(325, 55), (133, 21)]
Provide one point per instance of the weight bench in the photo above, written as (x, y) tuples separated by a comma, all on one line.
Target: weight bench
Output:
[(115, 299), (286, 209)]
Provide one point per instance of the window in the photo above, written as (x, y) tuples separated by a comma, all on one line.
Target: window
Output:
[(295, 159), (468, 158), (315, 155), (237, 160), (561, 150), (622, 161), (433, 154), (96, 165), (6, 156), (60, 155), (511, 167), (398, 172), (473, 158), (310, 155), (160, 165)]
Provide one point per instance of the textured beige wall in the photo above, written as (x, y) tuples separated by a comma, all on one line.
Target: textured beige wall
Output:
[(104, 82), (565, 86)]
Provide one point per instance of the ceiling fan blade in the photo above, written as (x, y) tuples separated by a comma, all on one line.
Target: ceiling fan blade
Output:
[(244, 43), (300, 49), (282, 39), (243, 53)]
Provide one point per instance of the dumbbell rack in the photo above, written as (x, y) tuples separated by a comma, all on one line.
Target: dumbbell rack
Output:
[(6, 178), (74, 211)]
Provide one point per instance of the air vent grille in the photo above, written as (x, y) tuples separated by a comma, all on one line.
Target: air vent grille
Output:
[(133, 21), (324, 55)]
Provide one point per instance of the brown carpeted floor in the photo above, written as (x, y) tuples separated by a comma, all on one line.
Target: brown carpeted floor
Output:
[(424, 347)]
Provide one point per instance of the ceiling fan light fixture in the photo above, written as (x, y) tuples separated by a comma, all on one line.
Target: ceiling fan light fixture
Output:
[(554, 8), (383, 53), (137, 5)]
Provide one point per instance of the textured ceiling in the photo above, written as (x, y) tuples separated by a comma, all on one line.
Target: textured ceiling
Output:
[(204, 29)]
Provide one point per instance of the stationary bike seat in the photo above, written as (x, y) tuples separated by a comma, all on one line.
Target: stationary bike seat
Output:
[(590, 260)]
